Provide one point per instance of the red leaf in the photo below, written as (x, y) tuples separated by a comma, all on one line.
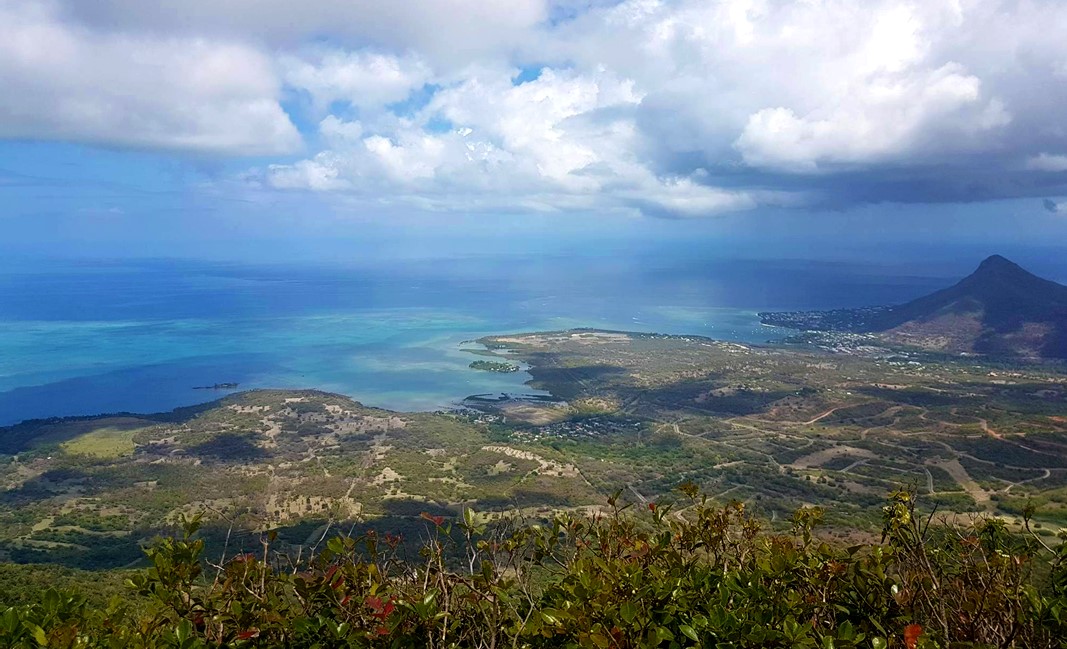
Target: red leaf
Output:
[(250, 633), (382, 611), (911, 635), (436, 520)]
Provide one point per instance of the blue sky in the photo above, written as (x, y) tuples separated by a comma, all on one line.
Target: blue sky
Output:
[(240, 130)]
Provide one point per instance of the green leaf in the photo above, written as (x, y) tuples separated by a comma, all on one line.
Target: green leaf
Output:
[(878, 643), (10, 620), (845, 631), (38, 633), (629, 611), (183, 631), (689, 632)]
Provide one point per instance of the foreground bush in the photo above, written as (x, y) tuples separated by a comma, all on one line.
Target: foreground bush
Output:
[(699, 576)]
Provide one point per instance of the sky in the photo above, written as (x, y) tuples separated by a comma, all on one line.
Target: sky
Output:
[(258, 129)]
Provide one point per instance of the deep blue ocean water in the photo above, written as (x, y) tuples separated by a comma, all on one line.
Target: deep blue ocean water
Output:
[(82, 338)]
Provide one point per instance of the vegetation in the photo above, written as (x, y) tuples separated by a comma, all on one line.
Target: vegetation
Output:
[(103, 442), (773, 428), (778, 428), (268, 475), (689, 575), (494, 366)]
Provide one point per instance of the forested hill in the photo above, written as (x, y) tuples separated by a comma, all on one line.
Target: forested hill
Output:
[(999, 309)]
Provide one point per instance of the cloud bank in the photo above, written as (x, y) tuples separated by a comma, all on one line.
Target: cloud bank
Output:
[(63, 81), (682, 108)]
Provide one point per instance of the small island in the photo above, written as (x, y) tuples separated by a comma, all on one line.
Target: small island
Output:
[(217, 386), (494, 366)]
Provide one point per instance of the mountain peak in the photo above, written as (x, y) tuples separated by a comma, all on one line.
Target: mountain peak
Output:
[(999, 309), (996, 262), (999, 271)]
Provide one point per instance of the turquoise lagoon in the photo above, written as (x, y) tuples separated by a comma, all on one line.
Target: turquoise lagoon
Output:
[(79, 338)]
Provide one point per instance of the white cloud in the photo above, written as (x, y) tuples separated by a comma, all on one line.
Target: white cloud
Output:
[(564, 140), (320, 174), (791, 85), (452, 33), (682, 197), (881, 118), (650, 103), (534, 121), (1047, 162), (335, 129), (677, 107), (66, 82), (364, 78)]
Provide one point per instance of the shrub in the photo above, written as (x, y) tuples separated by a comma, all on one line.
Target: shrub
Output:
[(699, 576)]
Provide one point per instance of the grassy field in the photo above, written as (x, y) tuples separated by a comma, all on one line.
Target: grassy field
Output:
[(104, 442)]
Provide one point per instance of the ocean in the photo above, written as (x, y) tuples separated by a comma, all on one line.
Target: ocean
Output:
[(89, 337)]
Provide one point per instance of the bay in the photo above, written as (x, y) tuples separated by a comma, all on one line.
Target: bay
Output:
[(88, 337)]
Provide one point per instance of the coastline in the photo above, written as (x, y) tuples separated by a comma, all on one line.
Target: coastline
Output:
[(526, 372)]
